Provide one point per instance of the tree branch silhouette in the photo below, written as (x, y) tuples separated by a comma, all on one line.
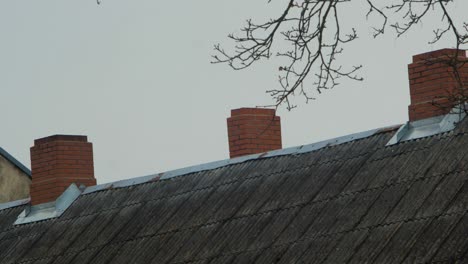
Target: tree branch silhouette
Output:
[(313, 31)]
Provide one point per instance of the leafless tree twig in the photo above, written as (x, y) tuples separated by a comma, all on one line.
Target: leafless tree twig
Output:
[(313, 31)]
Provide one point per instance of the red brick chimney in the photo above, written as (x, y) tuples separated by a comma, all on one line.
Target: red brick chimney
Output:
[(253, 130), (433, 82), (57, 162)]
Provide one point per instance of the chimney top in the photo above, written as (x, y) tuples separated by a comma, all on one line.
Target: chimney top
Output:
[(58, 161), (60, 137), (442, 53), (434, 85), (253, 111), (253, 130)]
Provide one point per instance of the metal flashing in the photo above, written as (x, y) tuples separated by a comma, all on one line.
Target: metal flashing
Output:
[(227, 162), (15, 162), (169, 174), (14, 203), (427, 127), (326, 143), (49, 210)]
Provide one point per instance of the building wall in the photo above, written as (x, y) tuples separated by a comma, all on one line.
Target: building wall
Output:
[(14, 183)]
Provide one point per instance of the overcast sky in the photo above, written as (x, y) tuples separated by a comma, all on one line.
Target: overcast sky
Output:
[(136, 78)]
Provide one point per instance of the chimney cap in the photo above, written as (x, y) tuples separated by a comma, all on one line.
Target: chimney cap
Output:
[(253, 111), (447, 53), (61, 137)]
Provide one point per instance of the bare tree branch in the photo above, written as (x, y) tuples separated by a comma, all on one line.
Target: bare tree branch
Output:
[(312, 29)]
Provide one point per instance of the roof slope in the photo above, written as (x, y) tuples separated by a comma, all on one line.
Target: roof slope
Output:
[(356, 202)]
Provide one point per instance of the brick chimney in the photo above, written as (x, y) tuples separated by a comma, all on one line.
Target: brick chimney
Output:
[(57, 162), (253, 130), (432, 82)]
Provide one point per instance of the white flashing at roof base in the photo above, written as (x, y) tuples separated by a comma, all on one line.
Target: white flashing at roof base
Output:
[(49, 210), (14, 203), (428, 127)]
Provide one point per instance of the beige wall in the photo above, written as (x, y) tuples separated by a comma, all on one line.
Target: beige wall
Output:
[(14, 183)]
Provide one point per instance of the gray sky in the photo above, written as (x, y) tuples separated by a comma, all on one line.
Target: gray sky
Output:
[(135, 76)]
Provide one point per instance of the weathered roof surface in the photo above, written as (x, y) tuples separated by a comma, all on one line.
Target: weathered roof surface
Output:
[(357, 202)]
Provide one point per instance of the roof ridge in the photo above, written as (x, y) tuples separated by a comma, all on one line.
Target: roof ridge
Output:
[(222, 163)]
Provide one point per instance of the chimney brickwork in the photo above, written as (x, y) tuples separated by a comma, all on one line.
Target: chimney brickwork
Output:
[(432, 82), (57, 162), (253, 130)]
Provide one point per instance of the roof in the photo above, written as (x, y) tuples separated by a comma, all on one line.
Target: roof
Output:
[(356, 201), (15, 162)]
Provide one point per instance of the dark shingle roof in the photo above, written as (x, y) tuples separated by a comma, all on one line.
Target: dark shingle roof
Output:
[(358, 202)]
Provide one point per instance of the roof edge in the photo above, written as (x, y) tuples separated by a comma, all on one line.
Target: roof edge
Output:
[(12, 204), (15, 162), (222, 163)]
